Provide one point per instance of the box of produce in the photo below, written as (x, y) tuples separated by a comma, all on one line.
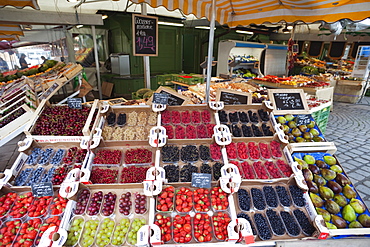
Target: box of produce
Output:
[(332, 194), (60, 123)]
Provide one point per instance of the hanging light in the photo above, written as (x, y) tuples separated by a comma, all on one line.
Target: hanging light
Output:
[(286, 29), (104, 17), (27, 27)]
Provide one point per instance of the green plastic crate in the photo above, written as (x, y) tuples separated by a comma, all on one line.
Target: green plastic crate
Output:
[(164, 79)]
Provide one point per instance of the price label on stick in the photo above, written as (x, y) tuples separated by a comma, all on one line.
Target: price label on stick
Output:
[(42, 189), (75, 103), (160, 98), (201, 180)]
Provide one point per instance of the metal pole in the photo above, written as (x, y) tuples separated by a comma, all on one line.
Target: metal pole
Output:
[(146, 58), (210, 48), (96, 61)]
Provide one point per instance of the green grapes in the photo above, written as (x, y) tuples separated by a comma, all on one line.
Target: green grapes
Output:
[(74, 231), (136, 224), (89, 233), (120, 232), (105, 232)]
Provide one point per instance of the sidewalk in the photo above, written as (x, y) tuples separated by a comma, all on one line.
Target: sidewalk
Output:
[(348, 128)]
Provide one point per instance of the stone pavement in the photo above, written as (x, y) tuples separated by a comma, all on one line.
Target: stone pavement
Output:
[(348, 128)]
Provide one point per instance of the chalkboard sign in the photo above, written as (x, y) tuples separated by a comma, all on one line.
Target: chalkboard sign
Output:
[(288, 101), (315, 48), (336, 50), (232, 97), (75, 103), (160, 98), (42, 189), (145, 35), (201, 180), (303, 119)]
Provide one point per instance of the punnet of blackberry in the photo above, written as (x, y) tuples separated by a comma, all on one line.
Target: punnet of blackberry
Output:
[(243, 117), (244, 200), (170, 154), (263, 229), (246, 216), (266, 130), (276, 223), (121, 120), (307, 227), (172, 173), (186, 172), (189, 153), (284, 198), (290, 224), (253, 116), (258, 200), (205, 168), (217, 170), (204, 153), (270, 196), (233, 116), (236, 131), (111, 119), (247, 131), (256, 130), (222, 116), (297, 195), (263, 115)]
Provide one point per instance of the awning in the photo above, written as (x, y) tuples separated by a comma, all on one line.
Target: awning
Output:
[(9, 37), (19, 4), (246, 12), (10, 29)]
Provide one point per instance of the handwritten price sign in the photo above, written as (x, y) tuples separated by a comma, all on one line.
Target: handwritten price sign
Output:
[(145, 34)]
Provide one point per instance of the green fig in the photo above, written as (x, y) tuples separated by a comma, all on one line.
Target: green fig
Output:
[(330, 225), (338, 221), (325, 192), (341, 200), (309, 159), (321, 164), (314, 169), (342, 180), (302, 163), (311, 124), (316, 200), (325, 214), (281, 120), (296, 132), (335, 187), (289, 117), (312, 186), (349, 213), (355, 224), (357, 205), (336, 168), (302, 128), (307, 136), (292, 124), (300, 139), (318, 139), (328, 174), (314, 132), (348, 192), (286, 129), (330, 160), (320, 181), (332, 207), (307, 174), (364, 219)]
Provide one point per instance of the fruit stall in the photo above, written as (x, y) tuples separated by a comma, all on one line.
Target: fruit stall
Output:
[(128, 175)]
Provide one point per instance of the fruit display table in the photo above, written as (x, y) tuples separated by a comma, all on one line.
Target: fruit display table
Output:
[(205, 174)]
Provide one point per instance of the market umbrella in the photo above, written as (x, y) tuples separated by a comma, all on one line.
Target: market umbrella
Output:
[(245, 12), (19, 4)]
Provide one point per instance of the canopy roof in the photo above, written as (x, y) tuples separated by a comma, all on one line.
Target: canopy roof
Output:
[(20, 3), (245, 12)]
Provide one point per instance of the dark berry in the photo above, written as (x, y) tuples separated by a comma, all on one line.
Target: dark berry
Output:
[(222, 116), (236, 131), (270, 196), (111, 119), (266, 130), (256, 130), (186, 172), (204, 153), (276, 223), (189, 153), (244, 200), (264, 115), (258, 200), (304, 222), (297, 195), (217, 170), (290, 224), (245, 216), (205, 168), (233, 116), (247, 131), (253, 116), (264, 231), (170, 154), (243, 117), (121, 120), (283, 196), (172, 173)]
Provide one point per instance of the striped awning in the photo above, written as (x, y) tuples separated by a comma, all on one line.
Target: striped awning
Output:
[(19, 3), (10, 29), (246, 12), (9, 37)]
